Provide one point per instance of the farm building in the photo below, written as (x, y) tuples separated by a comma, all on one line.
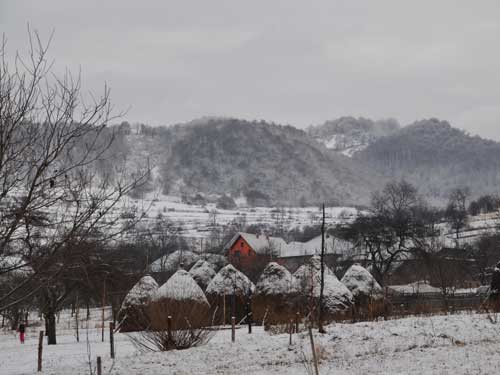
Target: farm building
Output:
[(245, 250)]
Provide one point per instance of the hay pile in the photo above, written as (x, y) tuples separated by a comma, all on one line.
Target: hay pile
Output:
[(132, 313), (338, 300), (275, 298), (229, 294)]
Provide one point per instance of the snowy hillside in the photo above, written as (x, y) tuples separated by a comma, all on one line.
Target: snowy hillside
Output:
[(348, 135)]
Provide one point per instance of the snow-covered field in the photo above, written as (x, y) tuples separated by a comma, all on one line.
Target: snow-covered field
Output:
[(198, 220), (454, 344)]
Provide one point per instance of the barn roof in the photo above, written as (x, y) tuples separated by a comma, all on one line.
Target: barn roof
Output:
[(259, 243)]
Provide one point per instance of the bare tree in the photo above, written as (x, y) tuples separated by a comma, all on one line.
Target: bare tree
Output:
[(397, 224), (456, 210), (51, 138)]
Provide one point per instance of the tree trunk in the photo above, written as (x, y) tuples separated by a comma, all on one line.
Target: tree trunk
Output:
[(50, 324)]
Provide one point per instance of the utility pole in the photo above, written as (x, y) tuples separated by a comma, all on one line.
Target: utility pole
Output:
[(322, 281)]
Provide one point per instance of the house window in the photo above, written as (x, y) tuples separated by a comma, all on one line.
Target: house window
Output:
[(237, 254)]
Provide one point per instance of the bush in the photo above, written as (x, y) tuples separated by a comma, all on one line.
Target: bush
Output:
[(187, 327)]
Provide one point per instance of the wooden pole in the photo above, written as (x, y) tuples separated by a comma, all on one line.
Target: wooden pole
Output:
[(322, 279), (297, 320), (169, 329), (224, 308), (111, 339), (233, 329), (250, 323), (291, 331), (103, 305), (40, 349), (99, 366), (315, 360), (77, 313)]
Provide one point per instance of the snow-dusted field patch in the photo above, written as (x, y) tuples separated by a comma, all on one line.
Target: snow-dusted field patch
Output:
[(457, 344)]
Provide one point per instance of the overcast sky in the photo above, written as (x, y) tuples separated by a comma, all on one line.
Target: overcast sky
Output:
[(296, 62)]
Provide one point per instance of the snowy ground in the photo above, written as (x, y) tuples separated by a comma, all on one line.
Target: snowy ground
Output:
[(458, 344)]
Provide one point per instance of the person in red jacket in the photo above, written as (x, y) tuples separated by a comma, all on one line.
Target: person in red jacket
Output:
[(22, 330)]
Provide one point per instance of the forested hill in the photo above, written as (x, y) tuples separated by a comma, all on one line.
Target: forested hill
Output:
[(348, 135), (264, 162), (436, 158)]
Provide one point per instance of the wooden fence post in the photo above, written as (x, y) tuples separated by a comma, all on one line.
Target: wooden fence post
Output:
[(250, 323), (40, 348), (99, 366), (313, 351), (291, 331), (233, 329), (297, 319), (111, 339), (169, 329)]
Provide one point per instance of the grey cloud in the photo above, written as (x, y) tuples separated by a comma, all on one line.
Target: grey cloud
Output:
[(288, 61)]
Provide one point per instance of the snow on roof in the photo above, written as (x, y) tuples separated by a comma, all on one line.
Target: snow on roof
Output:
[(333, 245), (418, 287), (259, 242), (180, 287), (336, 295), (230, 281), (202, 272), (276, 280), (171, 262), (361, 282), (141, 292)]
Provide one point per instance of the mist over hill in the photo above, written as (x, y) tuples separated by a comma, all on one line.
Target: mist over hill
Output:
[(262, 162), (436, 158), (269, 164)]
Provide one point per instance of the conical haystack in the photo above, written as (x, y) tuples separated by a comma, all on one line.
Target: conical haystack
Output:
[(368, 294), (362, 284), (229, 294), (182, 299), (275, 297), (337, 299), (132, 313)]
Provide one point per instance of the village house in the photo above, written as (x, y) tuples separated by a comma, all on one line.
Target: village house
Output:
[(245, 249)]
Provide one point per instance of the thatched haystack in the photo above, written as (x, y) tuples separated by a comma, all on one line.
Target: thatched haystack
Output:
[(202, 272), (229, 294), (367, 292), (133, 310), (338, 300), (362, 285), (182, 299), (275, 298)]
